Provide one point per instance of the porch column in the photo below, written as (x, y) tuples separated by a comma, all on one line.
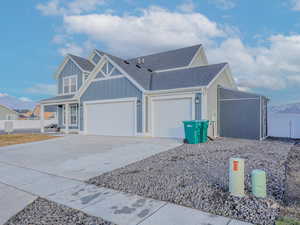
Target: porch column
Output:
[(42, 110), (67, 116)]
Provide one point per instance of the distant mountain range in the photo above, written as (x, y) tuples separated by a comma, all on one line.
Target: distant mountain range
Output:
[(287, 108), (16, 103)]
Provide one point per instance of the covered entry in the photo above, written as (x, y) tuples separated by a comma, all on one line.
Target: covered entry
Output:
[(242, 114), (111, 117)]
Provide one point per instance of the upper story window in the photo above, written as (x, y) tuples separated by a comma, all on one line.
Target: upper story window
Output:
[(69, 84)]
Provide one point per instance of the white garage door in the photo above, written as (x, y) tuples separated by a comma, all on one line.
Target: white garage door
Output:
[(116, 118), (168, 115)]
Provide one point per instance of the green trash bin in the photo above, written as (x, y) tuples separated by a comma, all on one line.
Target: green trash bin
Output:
[(203, 131), (192, 130)]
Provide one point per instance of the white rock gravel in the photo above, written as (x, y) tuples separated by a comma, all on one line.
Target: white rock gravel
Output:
[(44, 212), (197, 176)]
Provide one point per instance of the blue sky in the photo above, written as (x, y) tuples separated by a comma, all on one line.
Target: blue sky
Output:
[(259, 39)]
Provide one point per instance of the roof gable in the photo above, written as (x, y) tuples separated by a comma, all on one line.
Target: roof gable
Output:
[(169, 59), (85, 64)]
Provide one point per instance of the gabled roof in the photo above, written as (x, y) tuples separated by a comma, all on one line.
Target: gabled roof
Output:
[(83, 63), (168, 60), (183, 78), (179, 78), (9, 109), (140, 74)]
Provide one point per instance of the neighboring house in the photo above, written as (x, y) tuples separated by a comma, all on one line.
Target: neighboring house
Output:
[(50, 112), (146, 96), (7, 113)]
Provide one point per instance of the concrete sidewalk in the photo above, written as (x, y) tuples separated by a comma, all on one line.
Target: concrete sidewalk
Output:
[(120, 208)]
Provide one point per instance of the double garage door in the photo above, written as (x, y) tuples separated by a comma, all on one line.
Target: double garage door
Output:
[(119, 118)]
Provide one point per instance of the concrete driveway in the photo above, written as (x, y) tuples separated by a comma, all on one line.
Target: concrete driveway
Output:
[(44, 168), (82, 157)]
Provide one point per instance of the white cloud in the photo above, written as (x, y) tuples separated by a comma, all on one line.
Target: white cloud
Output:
[(295, 5), (224, 4), (187, 7), (25, 99), (45, 89), (261, 67), (155, 29), (64, 7), (71, 48)]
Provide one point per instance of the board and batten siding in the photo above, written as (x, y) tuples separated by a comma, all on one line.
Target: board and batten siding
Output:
[(113, 89), (70, 69), (212, 101)]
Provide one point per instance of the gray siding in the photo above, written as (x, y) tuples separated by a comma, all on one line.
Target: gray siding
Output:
[(70, 69), (239, 114), (113, 89), (198, 107)]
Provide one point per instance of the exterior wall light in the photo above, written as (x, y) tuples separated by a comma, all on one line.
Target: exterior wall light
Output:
[(197, 100), (138, 102)]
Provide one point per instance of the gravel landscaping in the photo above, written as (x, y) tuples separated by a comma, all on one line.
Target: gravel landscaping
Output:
[(44, 212), (197, 176)]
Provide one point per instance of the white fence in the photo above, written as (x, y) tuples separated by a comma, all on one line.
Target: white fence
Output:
[(27, 124), (284, 125)]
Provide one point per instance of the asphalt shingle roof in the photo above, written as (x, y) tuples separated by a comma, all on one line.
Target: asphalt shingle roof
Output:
[(179, 78), (182, 78), (60, 97), (141, 75), (83, 63), (170, 59)]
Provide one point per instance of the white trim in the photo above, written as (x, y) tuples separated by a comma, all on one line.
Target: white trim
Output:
[(69, 78), (217, 76), (176, 90), (60, 102), (174, 68), (70, 114), (238, 99), (167, 97), (199, 51), (144, 114), (108, 78), (85, 114), (126, 74), (62, 66), (204, 104), (92, 76)]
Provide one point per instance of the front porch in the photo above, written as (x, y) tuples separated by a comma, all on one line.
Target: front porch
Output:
[(68, 116)]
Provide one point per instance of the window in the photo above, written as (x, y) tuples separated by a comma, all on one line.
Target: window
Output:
[(69, 84), (73, 115)]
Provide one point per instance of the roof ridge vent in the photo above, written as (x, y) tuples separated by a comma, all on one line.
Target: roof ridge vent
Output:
[(125, 61), (150, 70), (138, 66)]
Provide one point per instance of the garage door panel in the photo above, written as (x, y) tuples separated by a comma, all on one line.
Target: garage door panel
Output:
[(168, 116), (111, 118)]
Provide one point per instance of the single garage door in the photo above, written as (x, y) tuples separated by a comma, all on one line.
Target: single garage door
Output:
[(115, 118), (168, 115)]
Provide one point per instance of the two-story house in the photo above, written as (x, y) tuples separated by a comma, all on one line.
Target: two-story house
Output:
[(145, 96)]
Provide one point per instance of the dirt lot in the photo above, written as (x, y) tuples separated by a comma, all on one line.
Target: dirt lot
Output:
[(197, 176), (12, 139)]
